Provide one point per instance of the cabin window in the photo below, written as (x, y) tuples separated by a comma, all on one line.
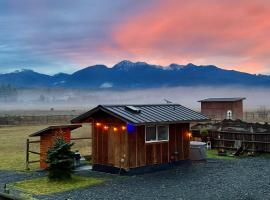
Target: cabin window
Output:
[(163, 133), (150, 135), (157, 133)]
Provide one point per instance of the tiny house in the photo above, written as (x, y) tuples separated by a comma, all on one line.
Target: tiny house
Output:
[(131, 139)]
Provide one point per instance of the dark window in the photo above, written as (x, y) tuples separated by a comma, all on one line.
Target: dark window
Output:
[(150, 134)]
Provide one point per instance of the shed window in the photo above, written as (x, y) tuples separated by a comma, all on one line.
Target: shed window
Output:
[(156, 133)]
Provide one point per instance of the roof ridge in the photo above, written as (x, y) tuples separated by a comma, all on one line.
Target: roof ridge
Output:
[(160, 104)]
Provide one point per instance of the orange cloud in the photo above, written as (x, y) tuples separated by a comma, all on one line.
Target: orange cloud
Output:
[(232, 34)]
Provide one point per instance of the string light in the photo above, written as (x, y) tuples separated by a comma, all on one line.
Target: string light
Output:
[(189, 135), (106, 127), (115, 129), (98, 124), (123, 128)]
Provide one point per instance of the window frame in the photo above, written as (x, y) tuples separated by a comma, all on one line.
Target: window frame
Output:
[(156, 128)]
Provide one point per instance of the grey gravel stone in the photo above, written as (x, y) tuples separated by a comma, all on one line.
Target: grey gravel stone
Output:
[(241, 179)]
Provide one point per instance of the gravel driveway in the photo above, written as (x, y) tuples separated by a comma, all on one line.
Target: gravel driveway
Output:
[(247, 178)]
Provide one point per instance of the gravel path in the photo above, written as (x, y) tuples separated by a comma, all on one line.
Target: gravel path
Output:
[(247, 179)]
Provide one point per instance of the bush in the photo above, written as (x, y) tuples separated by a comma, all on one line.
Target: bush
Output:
[(61, 160), (204, 134)]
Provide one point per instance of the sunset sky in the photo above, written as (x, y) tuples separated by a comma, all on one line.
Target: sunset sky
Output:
[(50, 36)]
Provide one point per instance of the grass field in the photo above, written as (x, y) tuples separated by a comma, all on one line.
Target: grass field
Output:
[(49, 187), (12, 145)]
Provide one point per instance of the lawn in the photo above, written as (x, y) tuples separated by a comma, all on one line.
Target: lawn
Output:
[(49, 187), (13, 140), (213, 153)]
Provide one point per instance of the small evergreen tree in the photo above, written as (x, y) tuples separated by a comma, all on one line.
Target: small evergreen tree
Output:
[(61, 160)]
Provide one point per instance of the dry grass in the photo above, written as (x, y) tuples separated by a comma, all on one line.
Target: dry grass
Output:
[(12, 145)]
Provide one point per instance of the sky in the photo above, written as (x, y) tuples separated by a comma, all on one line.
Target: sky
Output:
[(51, 36)]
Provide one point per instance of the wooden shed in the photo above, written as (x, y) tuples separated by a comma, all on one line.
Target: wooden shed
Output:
[(133, 139), (222, 108), (48, 136)]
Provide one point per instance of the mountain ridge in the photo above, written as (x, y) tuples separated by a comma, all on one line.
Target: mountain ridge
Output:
[(127, 74)]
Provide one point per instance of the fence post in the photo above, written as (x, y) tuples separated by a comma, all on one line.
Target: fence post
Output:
[(27, 155)]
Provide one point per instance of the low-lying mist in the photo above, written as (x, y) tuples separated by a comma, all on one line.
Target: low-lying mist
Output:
[(86, 99)]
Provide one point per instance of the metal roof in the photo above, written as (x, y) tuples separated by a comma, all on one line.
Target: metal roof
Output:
[(55, 127), (154, 113), (222, 99)]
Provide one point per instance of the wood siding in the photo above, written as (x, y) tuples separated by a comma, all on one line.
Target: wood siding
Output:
[(142, 154), (109, 147)]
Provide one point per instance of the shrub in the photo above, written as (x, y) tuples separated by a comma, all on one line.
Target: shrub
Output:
[(204, 134), (61, 160)]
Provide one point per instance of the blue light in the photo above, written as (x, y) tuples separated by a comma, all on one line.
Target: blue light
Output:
[(130, 128)]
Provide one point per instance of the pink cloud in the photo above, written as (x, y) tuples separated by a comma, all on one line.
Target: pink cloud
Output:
[(232, 34)]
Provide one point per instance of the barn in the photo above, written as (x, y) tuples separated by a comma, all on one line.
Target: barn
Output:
[(134, 139), (223, 108)]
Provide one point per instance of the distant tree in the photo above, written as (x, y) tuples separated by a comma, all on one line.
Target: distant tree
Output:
[(42, 98), (262, 112), (8, 93), (61, 160)]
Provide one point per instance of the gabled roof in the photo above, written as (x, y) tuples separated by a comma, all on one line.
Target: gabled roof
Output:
[(142, 114), (55, 127), (222, 99)]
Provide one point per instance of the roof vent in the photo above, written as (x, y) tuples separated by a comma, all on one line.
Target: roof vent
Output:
[(132, 109)]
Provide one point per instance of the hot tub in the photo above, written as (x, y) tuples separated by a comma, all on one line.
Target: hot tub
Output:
[(197, 151)]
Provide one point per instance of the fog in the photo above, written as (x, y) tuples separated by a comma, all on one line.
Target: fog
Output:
[(86, 99)]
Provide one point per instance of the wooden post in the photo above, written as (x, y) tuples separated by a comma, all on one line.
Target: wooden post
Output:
[(27, 155)]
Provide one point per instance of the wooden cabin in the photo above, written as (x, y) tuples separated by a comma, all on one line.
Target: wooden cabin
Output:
[(233, 134), (222, 108), (48, 137), (131, 139)]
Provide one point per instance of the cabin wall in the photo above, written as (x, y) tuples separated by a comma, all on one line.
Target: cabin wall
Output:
[(108, 146), (142, 154), (128, 150)]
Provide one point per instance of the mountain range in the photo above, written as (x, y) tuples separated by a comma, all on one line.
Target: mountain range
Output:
[(130, 75)]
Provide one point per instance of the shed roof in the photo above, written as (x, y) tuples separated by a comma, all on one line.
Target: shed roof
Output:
[(55, 127), (223, 99), (142, 114)]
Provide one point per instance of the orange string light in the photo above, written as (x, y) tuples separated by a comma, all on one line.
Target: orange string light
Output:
[(98, 124), (115, 129), (123, 128)]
